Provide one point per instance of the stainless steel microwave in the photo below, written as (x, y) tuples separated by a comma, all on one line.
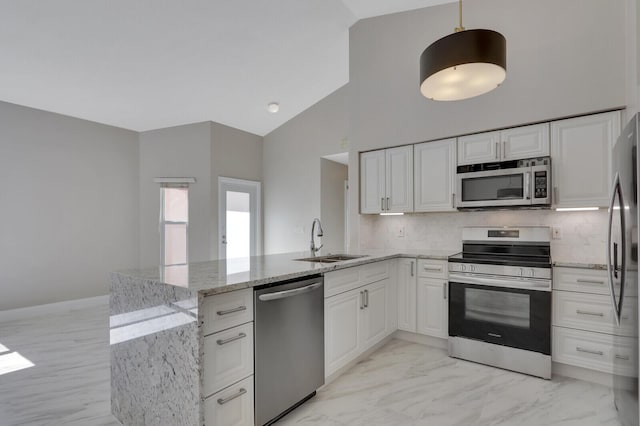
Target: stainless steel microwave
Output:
[(515, 183)]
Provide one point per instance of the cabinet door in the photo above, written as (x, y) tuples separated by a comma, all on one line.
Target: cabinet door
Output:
[(232, 406), (372, 181), (479, 148), (407, 295), (342, 329), (375, 315), (432, 309), (434, 175), (399, 183), (581, 159), (525, 142)]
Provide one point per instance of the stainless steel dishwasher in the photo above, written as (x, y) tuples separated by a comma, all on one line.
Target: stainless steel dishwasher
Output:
[(289, 346)]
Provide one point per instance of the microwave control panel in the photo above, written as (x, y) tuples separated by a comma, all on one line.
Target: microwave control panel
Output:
[(540, 184)]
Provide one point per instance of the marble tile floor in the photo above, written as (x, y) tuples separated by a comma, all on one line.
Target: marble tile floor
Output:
[(401, 384)]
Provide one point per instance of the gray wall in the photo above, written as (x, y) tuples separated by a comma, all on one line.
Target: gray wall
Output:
[(69, 206), (564, 58), (234, 154), (332, 177), (291, 168), (182, 151)]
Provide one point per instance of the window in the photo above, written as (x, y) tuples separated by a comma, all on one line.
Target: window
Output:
[(174, 224)]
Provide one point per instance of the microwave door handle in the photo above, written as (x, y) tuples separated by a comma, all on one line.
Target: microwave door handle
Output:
[(527, 185)]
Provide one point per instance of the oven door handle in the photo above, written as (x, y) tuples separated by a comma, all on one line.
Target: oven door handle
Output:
[(499, 281)]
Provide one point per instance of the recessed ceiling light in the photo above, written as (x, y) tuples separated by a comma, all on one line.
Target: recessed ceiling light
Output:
[(273, 107)]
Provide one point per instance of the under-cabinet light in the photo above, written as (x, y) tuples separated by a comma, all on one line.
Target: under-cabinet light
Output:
[(576, 209), (391, 214)]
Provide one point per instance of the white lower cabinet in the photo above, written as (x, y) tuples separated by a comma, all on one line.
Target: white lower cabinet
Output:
[(232, 406), (342, 329), (228, 357), (406, 283), (356, 320), (432, 310)]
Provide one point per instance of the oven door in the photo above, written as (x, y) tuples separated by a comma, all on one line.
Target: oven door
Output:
[(514, 317), (494, 188)]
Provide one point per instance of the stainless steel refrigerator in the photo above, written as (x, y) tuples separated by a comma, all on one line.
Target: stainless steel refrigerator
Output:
[(622, 269)]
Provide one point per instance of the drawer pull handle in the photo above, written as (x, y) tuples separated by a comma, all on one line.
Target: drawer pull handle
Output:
[(432, 268), (232, 311), (231, 339), (623, 357), (589, 351), (495, 335), (223, 401), (594, 314), (580, 280)]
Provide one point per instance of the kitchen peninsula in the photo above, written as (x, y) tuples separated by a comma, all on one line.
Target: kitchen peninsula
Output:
[(167, 323)]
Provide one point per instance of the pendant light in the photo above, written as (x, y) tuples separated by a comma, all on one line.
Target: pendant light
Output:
[(464, 64)]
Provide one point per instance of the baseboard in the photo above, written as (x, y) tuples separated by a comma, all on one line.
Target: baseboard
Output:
[(434, 342), (53, 308), (584, 374), (361, 357)]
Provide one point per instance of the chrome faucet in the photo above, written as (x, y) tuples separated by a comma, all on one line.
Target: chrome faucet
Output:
[(314, 249)]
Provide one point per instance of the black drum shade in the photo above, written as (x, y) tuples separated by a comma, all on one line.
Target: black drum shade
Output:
[(463, 65)]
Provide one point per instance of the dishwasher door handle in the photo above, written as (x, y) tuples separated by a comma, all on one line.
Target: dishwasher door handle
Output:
[(289, 293)]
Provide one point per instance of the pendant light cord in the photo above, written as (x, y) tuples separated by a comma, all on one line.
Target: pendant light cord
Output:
[(460, 28)]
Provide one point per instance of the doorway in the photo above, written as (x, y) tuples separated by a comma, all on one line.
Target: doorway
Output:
[(238, 221), (334, 205)]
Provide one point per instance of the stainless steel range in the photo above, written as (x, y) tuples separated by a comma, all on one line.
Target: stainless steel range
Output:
[(500, 299)]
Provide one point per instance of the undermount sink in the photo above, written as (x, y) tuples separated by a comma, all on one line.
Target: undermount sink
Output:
[(331, 258)]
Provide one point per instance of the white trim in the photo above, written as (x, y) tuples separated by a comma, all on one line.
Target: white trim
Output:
[(174, 180), (53, 308), (258, 225)]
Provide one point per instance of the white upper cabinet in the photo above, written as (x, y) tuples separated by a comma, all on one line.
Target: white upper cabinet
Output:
[(581, 159), (479, 148), (525, 142), (372, 181), (386, 180), (434, 175), (510, 144)]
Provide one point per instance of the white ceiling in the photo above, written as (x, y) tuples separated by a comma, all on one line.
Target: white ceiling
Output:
[(148, 64)]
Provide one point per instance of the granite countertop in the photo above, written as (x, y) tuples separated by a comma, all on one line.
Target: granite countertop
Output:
[(577, 264), (220, 276)]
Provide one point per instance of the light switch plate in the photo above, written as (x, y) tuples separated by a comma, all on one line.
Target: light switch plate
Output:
[(556, 233), (401, 231)]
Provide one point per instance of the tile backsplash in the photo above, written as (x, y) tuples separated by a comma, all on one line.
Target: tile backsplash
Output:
[(583, 234)]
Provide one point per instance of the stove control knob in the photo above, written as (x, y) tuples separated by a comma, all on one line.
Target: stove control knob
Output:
[(521, 272), (472, 268), (533, 272), (464, 268)]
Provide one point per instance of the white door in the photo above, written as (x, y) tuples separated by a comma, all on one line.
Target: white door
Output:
[(479, 148), (525, 142), (342, 329), (435, 173), (375, 314), (581, 159), (238, 221), (432, 307), (406, 294), (372, 181), (399, 179)]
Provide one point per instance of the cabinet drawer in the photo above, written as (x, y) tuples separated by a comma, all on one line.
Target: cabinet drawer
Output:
[(595, 351), (337, 282), (228, 358), (372, 272), (428, 268), (582, 280), (232, 406), (590, 312), (227, 310)]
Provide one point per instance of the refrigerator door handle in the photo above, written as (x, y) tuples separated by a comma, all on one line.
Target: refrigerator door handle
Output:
[(612, 267)]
